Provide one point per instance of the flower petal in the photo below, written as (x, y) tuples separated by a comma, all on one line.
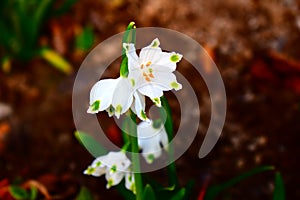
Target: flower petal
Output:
[(129, 182), (122, 97), (151, 140), (96, 168), (101, 95), (138, 107), (151, 90), (165, 81), (133, 60), (167, 62), (113, 178), (118, 160), (151, 53)]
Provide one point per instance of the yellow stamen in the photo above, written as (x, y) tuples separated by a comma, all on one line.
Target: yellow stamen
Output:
[(151, 75), (148, 63)]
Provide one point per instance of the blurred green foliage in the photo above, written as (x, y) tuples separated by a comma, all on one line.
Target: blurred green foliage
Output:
[(216, 190), (20, 193), (85, 39), (20, 26)]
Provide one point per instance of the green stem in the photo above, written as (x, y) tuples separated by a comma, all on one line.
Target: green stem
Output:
[(166, 110), (135, 159)]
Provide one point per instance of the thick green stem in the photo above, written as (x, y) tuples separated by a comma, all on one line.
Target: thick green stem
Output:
[(135, 159), (166, 110)]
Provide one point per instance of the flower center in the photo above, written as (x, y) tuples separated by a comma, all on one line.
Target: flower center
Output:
[(147, 71)]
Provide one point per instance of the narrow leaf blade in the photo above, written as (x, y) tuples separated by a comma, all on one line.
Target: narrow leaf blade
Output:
[(148, 193), (95, 148), (279, 190)]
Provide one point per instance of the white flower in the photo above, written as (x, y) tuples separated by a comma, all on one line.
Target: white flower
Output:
[(151, 72), (115, 166), (152, 137), (148, 75), (116, 96)]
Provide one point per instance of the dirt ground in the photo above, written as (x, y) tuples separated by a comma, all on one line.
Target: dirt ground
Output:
[(255, 46)]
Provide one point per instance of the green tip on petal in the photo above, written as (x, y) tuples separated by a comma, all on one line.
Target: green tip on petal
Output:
[(133, 189), (155, 43), (118, 109), (90, 170), (132, 81), (111, 110), (96, 105), (110, 183), (98, 164), (150, 158), (130, 178), (143, 115), (157, 101), (175, 57), (113, 169), (175, 85)]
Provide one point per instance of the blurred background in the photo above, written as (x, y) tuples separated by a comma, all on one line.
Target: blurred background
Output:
[(255, 45)]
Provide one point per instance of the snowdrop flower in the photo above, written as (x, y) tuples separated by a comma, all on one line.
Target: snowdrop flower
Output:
[(152, 72), (116, 96), (148, 75), (152, 137), (115, 166)]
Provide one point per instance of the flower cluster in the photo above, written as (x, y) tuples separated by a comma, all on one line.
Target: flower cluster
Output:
[(115, 166), (149, 75)]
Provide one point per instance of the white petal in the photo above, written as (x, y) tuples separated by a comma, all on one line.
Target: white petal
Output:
[(96, 168), (167, 62), (118, 159), (123, 96), (131, 55), (129, 182), (102, 93), (150, 140), (165, 81), (136, 78), (114, 178), (150, 53), (139, 106), (151, 90)]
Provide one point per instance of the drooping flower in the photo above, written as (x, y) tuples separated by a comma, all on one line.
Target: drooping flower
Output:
[(152, 72), (152, 138), (148, 75), (116, 96), (115, 166)]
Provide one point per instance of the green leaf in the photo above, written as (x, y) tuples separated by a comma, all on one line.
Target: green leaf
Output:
[(18, 192), (33, 193), (95, 148), (129, 37), (148, 193), (279, 190), (127, 194), (188, 189), (55, 60), (66, 5), (6, 64), (179, 195), (126, 128), (130, 33), (84, 194), (124, 67), (166, 113), (85, 39), (213, 191)]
